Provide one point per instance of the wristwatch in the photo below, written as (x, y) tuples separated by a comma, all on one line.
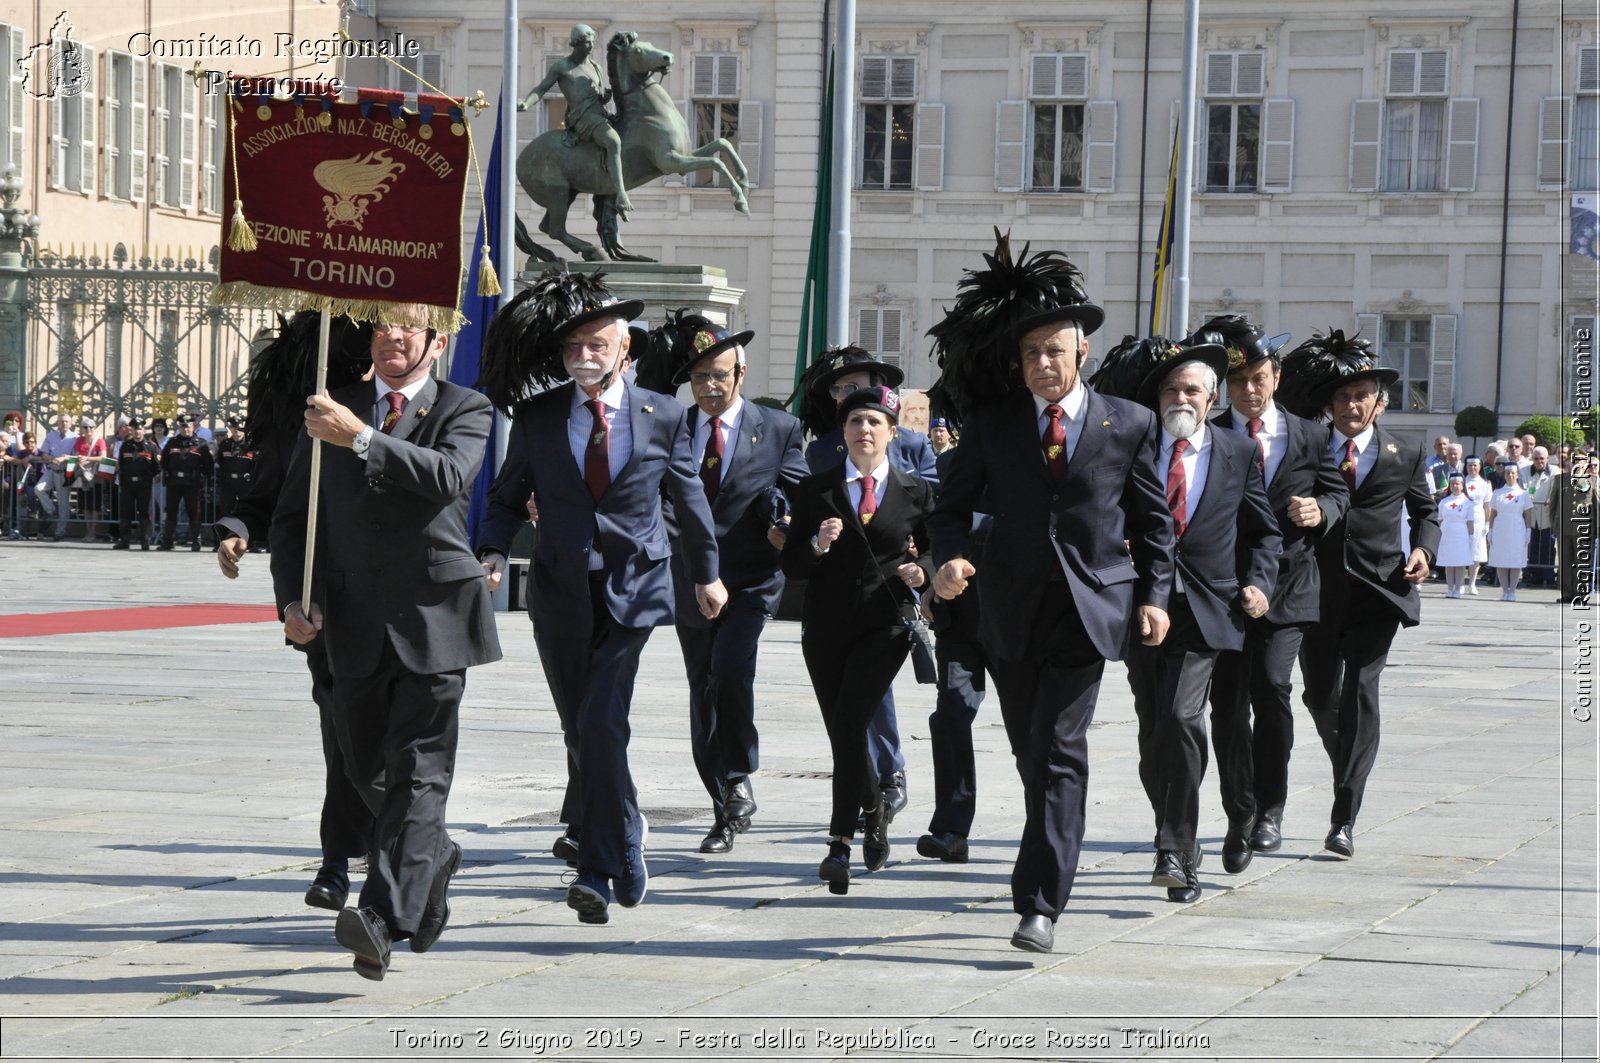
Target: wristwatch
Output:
[(817, 548), (362, 442)]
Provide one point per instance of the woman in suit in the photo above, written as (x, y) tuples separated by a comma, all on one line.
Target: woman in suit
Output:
[(848, 539)]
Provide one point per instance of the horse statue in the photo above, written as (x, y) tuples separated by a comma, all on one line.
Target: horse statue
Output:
[(655, 142)]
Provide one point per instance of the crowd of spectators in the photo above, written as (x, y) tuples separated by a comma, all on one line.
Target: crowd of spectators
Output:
[(72, 482)]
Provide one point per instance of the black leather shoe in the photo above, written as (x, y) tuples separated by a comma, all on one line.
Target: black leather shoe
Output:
[(363, 932), (835, 868), (1339, 843), (163, 546), (436, 916), (120, 546), (590, 897), (1035, 933), (1169, 870), (1268, 834), (875, 840), (947, 846), (738, 801), (331, 888), (1189, 892), (1236, 854), (894, 793), (566, 849), (720, 840)]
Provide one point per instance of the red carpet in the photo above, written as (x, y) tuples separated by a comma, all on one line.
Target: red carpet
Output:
[(141, 618)]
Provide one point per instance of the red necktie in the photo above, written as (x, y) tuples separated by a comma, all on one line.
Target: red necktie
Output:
[(396, 402), (711, 464), (1177, 489), (597, 457), (869, 500), (1347, 467), (1055, 442), (1261, 448)]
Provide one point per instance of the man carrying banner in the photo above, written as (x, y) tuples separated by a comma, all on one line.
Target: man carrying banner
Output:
[(401, 609)]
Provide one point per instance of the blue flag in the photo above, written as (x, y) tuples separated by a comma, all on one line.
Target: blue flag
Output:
[(478, 309), (1585, 227)]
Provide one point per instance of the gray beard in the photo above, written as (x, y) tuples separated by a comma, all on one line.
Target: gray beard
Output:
[(1180, 422)]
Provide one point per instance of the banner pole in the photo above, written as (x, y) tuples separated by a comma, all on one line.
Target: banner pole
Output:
[(316, 468)]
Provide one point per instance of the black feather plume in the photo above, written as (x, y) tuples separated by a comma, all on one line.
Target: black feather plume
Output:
[(1230, 330), (1127, 364), (670, 345), (818, 411), (520, 356), (973, 344), (1316, 363), (285, 371)]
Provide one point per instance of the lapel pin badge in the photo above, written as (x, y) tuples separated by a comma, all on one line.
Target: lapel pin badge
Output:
[(1391, 448), (422, 412), (649, 408), (1105, 424)]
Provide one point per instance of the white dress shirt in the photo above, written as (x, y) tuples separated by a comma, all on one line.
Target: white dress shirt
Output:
[(380, 405), (1274, 436), (1072, 416), (1196, 463), (581, 423), (1366, 453), (852, 482), (729, 421)]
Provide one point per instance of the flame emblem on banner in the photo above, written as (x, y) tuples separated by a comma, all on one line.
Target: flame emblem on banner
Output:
[(356, 183)]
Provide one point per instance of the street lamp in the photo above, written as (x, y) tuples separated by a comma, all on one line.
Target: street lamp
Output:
[(15, 226)]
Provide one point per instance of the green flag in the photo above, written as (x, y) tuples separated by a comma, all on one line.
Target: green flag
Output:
[(814, 296)]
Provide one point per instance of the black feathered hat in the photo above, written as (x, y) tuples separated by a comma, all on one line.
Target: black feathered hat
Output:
[(522, 348), (1322, 364), (285, 371), (818, 410), (708, 341), (975, 344), (1244, 341), (1135, 368)]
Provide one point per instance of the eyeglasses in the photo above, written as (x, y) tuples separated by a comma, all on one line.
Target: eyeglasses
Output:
[(398, 329), (720, 376), (839, 391)]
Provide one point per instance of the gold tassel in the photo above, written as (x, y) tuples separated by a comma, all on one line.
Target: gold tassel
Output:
[(488, 280), (290, 300), (240, 236)]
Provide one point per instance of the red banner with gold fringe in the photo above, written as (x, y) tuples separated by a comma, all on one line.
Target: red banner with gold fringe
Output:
[(351, 207)]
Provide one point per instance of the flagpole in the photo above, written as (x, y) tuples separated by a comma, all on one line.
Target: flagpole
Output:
[(316, 467), (844, 139), (506, 250), (1178, 315)]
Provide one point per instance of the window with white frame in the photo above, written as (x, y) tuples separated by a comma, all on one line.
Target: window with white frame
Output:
[(1569, 131), (173, 155), (713, 108), (880, 330), (413, 71), (887, 125), (126, 126), (1417, 138), (213, 137), (1232, 137), (73, 155), (1422, 349), (12, 50), (1057, 87)]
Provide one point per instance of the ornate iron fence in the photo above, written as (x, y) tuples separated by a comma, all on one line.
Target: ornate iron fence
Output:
[(114, 336)]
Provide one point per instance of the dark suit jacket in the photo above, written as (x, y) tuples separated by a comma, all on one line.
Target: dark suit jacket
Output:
[(853, 587), (909, 451), (1306, 471), (1230, 542), (766, 459), (627, 520), (1364, 547), (393, 561), (961, 615), (1110, 494)]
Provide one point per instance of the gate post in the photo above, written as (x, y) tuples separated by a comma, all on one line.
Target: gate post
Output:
[(15, 228)]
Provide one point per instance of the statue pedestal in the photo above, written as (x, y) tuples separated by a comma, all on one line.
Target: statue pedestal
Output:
[(665, 286)]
